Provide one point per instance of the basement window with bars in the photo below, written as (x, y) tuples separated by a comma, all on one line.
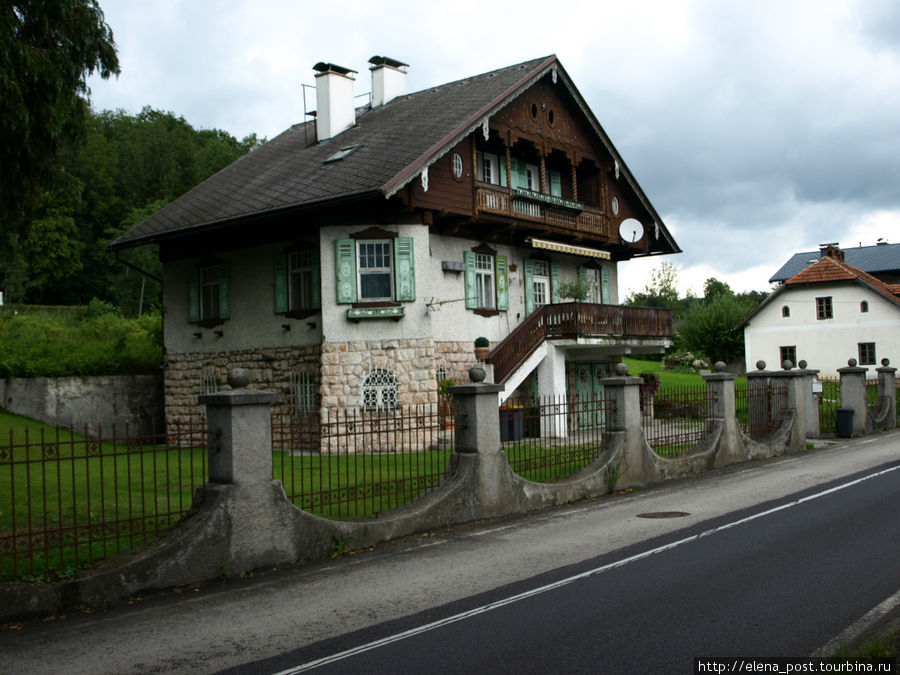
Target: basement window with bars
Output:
[(302, 393), (380, 391)]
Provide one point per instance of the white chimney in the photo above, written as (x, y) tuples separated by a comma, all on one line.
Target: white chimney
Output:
[(388, 79), (335, 111)]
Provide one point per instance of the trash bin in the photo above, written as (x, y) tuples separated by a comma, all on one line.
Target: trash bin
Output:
[(512, 423), (844, 422)]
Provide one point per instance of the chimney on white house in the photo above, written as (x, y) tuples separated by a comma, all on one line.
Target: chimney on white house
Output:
[(335, 111), (388, 79)]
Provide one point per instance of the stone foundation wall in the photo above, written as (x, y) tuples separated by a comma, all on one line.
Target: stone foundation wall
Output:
[(456, 358), (269, 369)]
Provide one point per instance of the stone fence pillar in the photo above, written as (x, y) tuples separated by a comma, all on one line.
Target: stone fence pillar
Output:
[(887, 389), (478, 426), (853, 396), (810, 400), (624, 396), (257, 513), (796, 401), (721, 408)]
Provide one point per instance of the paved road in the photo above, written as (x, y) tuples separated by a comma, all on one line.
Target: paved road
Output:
[(316, 607)]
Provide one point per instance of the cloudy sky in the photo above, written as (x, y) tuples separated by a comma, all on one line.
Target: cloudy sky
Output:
[(757, 129)]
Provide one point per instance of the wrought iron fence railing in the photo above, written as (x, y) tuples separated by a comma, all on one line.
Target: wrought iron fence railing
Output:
[(761, 407), (549, 438), (675, 419)]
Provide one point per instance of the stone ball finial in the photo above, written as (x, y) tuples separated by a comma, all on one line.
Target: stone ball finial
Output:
[(476, 373), (720, 366), (787, 364), (760, 365), (238, 378), (621, 369), (885, 362), (802, 364), (851, 363)]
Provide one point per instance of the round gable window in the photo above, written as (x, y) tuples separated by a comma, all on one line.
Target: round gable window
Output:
[(551, 117), (457, 165), (615, 206)]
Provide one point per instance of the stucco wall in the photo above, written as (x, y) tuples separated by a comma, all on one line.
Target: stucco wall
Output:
[(76, 401), (824, 344)]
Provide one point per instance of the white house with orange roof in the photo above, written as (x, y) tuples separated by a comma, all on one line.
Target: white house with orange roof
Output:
[(824, 315)]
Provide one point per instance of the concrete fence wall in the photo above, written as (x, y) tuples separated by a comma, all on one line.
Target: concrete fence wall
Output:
[(243, 521), (69, 401)]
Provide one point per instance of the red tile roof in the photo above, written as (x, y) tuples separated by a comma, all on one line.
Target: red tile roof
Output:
[(830, 269)]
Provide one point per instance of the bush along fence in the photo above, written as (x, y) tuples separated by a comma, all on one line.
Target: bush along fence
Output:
[(504, 462)]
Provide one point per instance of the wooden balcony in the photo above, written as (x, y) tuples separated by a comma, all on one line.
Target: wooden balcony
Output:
[(577, 319), (541, 208)]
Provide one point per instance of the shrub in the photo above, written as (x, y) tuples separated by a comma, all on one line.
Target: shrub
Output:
[(78, 341)]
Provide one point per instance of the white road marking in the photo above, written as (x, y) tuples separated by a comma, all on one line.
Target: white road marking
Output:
[(418, 630)]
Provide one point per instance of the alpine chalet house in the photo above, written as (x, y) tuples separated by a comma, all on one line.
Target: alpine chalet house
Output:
[(352, 261)]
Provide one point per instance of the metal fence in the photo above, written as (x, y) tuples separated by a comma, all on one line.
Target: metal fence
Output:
[(357, 463), (550, 438), (675, 419), (829, 402), (68, 500), (761, 407)]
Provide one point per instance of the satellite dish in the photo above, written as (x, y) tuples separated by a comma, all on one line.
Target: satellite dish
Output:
[(631, 230)]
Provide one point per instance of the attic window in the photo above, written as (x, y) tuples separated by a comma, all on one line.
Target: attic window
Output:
[(341, 154)]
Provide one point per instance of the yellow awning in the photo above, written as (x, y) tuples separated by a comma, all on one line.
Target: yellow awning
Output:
[(569, 248)]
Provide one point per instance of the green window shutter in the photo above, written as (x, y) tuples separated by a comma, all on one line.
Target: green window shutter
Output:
[(224, 292), (604, 286), (554, 282), (345, 270), (404, 269), (471, 292), (555, 183), (279, 269), (514, 172), (194, 294), (521, 170), (502, 283), (529, 286), (502, 171)]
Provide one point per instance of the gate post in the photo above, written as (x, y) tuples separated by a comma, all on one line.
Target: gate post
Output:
[(257, 513), (887, 389), (810, 402), (624, 396), (796, 401), (721, 409), (853, 396)]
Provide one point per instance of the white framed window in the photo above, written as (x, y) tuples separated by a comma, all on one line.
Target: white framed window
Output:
[(541, 283), (457, 165), (375, 269), (532, 178), (488, 167), (380, 391), (484, 281)]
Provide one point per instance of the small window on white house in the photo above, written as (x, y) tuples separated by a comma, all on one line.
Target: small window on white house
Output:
[(863, 307), (866, 353), (380, 391), (788, 354), (785, 311)]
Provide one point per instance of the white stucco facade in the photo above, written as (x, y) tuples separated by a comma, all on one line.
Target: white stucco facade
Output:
[(858, 316)]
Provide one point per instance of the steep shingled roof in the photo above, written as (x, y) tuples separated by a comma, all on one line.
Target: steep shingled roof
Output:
[(877, 259), (394, 143)]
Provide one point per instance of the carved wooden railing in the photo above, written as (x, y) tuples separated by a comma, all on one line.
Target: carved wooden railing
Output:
[(543, 209), (574, 319)]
